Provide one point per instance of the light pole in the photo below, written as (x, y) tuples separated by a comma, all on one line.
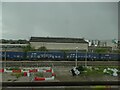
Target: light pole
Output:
[(86, 59), (5, 56), (76, 57)]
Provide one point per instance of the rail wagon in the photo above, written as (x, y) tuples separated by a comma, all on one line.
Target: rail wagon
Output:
[(93, 56), (104, 57), (45, 55), (73, 55), (57, 55), (115, 56), (82, 56), (10, 55)]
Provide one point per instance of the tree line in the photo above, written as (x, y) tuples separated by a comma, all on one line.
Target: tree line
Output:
[(20, 41), (30, 48)]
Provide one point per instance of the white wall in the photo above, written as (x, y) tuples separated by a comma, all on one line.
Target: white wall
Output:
[(60, 46)]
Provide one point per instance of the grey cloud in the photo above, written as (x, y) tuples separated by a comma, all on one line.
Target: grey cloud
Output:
[(89, 20)]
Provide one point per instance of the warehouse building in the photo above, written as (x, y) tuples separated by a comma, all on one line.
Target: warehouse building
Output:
[(59, 43)]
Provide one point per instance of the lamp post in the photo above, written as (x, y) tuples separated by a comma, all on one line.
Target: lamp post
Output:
[(86, 59), (76, 57), (5, 56)]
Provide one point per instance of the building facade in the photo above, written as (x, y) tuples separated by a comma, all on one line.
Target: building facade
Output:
[(53, 43), (108, 44)]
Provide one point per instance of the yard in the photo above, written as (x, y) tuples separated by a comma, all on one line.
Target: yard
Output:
[(63, 74), (93, 74)]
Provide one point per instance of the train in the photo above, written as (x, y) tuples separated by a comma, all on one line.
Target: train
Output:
[(58, 55)]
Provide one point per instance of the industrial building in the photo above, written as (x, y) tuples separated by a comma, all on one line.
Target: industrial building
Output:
[(109, 45), (59, 43)]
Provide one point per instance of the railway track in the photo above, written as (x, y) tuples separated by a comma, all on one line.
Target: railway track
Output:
[(56, 63)]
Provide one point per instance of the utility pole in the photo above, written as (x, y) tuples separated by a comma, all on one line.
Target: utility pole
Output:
[(5, 56), (76, 57), (86, 58)]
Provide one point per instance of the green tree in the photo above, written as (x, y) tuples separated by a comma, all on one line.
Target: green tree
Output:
[(101, 50), (42, 48), (65, 55), (28, 48)]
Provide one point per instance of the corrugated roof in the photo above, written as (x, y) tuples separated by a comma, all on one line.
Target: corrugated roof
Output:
[(57, 40)]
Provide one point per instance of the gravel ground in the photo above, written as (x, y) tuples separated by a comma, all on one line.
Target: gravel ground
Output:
[(7, 76), (63, 74)]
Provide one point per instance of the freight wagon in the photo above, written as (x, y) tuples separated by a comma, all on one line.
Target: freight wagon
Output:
[(58, 55)]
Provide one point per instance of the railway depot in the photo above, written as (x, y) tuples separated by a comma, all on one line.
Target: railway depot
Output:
[(62, 55), (56, 48), (59, 43)]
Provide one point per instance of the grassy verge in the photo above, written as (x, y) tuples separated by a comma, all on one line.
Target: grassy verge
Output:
[(17, 75), (92, 72), (39, 74), (97, 71), (13, 68)]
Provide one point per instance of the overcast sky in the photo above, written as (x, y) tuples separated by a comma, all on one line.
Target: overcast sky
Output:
[(89, 20)]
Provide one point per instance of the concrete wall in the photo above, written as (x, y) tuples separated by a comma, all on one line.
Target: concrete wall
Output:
[(60, 46)]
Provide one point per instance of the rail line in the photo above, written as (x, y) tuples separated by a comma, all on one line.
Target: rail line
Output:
[(56, 63)]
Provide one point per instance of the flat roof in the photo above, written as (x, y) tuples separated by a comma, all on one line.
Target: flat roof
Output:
[(57, 40)]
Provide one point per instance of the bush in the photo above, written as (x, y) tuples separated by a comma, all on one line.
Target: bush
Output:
[(17, 75), (9, 80), (81, 68), (15, 80), (118, 72), (13, 68), (43, 48), (39, 74)]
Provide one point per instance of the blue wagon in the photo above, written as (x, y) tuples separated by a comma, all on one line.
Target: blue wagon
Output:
[(45, 55)]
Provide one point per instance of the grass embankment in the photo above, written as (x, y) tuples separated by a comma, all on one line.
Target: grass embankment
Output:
[(17, 75), (39, 74), (96, 71)]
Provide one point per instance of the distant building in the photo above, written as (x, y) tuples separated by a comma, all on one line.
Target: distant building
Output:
[(111, 44), (12, 47), (119, 44), (59, 43)]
